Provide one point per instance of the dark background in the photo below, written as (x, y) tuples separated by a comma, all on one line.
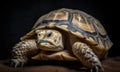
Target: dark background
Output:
[(18, 17)]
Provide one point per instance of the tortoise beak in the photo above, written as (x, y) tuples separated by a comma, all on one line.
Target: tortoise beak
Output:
[(42, 42), (48, 46)]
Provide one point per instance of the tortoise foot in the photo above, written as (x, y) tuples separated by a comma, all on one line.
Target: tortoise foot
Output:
[(95, 69), (17, 62)]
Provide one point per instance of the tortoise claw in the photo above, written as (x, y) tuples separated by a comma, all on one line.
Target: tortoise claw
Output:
[(96, 69), (17, 63)]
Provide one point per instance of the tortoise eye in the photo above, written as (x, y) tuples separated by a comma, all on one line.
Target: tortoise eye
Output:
[(49, 35), (39, 34)]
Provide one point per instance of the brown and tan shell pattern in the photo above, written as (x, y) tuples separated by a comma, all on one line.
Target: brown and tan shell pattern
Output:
[(78, 23)]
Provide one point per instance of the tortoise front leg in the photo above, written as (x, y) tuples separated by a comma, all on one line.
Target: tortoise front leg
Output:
[(85, 54), (22, 51)]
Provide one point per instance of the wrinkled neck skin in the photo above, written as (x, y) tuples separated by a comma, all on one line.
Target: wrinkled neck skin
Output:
[(49, 40)]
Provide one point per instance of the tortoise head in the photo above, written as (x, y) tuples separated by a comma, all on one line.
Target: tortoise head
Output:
[(50, 40)]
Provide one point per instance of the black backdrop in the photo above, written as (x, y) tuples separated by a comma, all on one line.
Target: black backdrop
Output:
[(19, 16)]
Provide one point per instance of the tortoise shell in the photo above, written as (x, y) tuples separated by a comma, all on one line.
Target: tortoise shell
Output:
[(79, 24)]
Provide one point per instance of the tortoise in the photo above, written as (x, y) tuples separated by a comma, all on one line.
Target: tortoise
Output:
[(64, 34)]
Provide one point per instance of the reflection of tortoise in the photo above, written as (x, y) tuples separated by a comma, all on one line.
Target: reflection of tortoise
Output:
[(64, 34)]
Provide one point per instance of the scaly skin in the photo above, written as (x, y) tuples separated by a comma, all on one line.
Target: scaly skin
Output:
[(22, 51), (85, 54)]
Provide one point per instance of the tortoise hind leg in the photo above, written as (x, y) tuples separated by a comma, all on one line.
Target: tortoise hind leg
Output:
[(85, 54), (21, 51)]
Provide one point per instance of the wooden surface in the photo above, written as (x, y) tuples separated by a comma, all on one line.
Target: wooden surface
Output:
[(110, 65)]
